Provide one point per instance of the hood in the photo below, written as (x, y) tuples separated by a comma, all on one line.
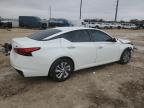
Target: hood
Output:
[(124, 41)]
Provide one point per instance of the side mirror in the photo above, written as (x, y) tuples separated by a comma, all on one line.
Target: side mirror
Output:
[(114, 40)]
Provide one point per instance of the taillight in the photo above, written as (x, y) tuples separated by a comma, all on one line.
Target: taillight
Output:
[(26, 51)]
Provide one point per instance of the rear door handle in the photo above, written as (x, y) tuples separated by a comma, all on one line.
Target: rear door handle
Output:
[(71, 47)]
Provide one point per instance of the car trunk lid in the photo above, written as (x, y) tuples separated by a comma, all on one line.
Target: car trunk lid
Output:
[(23, 42)]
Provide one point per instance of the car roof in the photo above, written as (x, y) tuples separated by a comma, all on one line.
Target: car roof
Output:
[(67, 29)]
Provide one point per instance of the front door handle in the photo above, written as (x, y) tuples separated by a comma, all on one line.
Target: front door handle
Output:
[(71, 47), (100, 47)]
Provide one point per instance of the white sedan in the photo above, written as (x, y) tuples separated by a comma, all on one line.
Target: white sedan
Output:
[(60, 51)]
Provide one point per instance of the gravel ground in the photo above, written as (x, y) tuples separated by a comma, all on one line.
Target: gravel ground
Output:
[(108, 86)]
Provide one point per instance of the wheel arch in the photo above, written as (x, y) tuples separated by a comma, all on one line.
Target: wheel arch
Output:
[(127, 48), (66, 57), (62, 57), (121, 60)]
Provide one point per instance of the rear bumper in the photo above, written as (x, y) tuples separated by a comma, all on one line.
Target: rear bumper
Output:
[(29, 67), (24, 72)]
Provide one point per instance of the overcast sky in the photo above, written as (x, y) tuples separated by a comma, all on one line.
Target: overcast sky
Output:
[(128, 9)]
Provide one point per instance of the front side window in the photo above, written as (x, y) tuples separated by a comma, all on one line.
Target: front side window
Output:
[(99, 36), (77, 36)]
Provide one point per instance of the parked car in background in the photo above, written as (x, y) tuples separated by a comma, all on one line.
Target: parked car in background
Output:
[(104, 25), (129, 26), (98, 25), (140, 26), (60, 51), (5, 24), (59, 23), (90, 25), (115, 26), (32, 22)]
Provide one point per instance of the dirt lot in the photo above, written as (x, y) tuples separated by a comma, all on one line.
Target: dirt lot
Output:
[(108, 86)]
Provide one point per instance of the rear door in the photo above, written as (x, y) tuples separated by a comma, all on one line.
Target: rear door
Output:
[(106, 50), (79, 45)]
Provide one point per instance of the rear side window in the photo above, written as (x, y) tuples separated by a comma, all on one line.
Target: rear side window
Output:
[(43, 34), (98, 36), (77, 36)]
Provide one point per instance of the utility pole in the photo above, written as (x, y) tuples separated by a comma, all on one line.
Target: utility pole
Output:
[(50, 12), (117, 5), (80, 9)]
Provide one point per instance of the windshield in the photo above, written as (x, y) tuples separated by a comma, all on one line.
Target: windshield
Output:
[(43, 34)]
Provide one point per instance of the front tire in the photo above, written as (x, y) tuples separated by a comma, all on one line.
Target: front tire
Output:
[(61, 69), (125, 57)]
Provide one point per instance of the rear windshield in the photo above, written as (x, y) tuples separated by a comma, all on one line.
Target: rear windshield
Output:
[(43, 34)]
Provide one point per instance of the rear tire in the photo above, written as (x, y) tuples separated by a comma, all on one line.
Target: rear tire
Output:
[(61, 69), (125, 57)]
